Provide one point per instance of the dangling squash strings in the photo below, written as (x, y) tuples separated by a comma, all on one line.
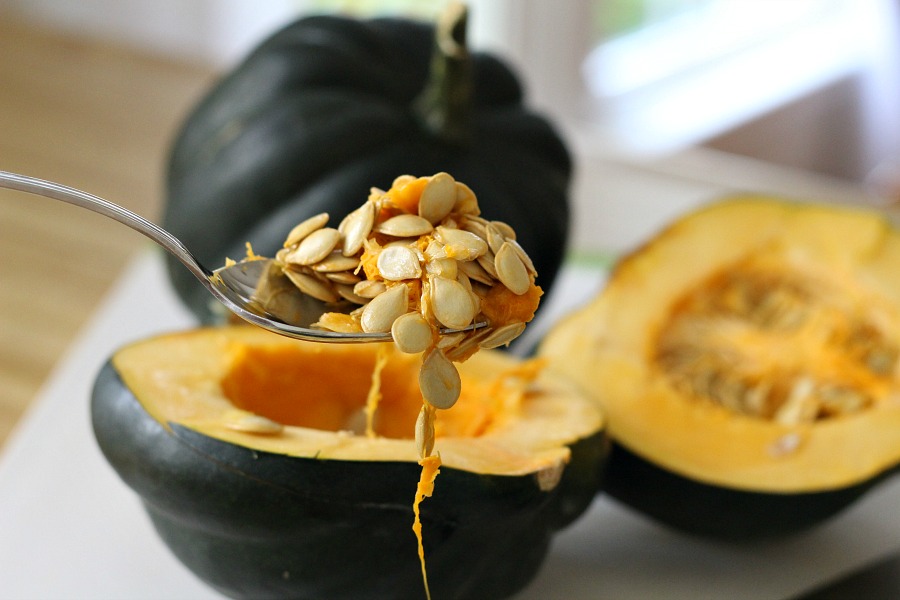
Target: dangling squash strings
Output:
[(374, 397), (424, 489)]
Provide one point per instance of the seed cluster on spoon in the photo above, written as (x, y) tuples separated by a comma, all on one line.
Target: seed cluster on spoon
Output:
[(416, 258)]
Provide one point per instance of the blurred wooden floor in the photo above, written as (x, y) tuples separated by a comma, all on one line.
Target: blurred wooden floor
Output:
[(95, 117)]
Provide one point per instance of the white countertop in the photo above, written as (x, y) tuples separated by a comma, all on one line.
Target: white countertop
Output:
[(69, 528)]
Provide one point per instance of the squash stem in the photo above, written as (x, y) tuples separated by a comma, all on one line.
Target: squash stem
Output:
[(444, 107)]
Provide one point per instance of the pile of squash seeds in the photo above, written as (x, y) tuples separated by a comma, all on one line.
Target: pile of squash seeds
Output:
[(415, 259)]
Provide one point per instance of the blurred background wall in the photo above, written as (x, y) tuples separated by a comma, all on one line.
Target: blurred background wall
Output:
[(807, 83)]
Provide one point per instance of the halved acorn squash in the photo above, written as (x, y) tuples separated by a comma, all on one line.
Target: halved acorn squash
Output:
[(250, 456), (747, 361)]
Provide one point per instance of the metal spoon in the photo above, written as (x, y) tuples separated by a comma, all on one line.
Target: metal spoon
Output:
[(233, 286)]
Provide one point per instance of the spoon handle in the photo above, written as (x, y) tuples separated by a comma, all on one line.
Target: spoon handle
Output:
[(233, 286), (57, 191)]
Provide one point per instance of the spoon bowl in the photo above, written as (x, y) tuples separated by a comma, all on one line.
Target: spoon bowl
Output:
[(233, 285)]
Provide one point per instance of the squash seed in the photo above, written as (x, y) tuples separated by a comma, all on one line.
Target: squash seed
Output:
[(369, 288), (549, 477), (482, 290), (381, 312), (412, 333), (511, 271), (346, 292), (523, 256), (406, 243), (502, 336), (487, 262), (463, 279), (505, 229), (785, 444), (439, 380), (405, 226), (314, 247), (438, 198), (336, 262), (466, 201), (452, 303), (311, 286), (425, 431), (299, 232), (474, 270), (495, 239), (468, 346), (434, 250), (396, 263), (338, 322), (451, 339), (276, 295), (344, 277), (425, 305), (838, 400), (459, 243), (442, 267), (356, 227), (247, 422), (801, 405), (476, 299), (476, 227)]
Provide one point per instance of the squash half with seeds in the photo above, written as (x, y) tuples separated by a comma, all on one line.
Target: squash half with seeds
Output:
[(748, 359), (250, 454)]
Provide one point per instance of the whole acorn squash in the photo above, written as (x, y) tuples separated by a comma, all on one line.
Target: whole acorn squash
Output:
[(244, 448), (748, 359), (329, 106)]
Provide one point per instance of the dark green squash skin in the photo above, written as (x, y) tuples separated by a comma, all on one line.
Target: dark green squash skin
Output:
[(259, 525), (718, 512), (325, 109)]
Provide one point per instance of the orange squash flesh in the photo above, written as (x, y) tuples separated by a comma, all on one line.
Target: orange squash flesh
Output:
[(511, 419), (281, 383), (841, 265)]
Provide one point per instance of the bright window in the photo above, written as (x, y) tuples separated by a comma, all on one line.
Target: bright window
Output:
[(664, 74), (645, 41)]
